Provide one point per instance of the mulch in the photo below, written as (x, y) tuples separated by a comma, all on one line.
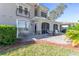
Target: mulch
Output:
[(19, 43)]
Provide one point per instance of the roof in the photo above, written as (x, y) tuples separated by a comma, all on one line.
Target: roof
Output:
[(67, 23)]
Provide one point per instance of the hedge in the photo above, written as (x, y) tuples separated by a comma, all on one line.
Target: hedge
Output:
[(7, 34)]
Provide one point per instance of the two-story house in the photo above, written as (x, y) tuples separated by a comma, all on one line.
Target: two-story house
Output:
[(34, 15)]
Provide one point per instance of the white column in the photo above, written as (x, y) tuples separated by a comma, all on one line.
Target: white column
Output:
[(32, 28), (51, 27), (39, 27), (59, 27)]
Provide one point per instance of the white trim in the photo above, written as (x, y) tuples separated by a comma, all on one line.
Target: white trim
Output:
[(17, 25)]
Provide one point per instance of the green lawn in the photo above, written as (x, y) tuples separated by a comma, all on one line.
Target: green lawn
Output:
[(39, 50)]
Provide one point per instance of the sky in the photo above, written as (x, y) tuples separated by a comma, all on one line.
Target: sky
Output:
[(71, 13)]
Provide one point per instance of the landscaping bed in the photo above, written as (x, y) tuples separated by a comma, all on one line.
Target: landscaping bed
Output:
[(73, 34)]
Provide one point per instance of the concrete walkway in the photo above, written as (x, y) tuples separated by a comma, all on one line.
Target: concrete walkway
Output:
[(58, 39)]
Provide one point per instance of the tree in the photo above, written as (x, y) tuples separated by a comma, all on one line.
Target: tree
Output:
[(57, 12)]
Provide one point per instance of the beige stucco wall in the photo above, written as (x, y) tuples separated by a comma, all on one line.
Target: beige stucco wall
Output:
[(7, 13)]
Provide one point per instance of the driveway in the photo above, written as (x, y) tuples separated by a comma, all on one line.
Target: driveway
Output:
[(57, 39)]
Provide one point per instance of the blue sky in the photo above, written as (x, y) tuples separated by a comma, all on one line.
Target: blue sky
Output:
[(71, 13)]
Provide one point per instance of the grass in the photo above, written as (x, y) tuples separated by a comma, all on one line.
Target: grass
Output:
[(39, 50)]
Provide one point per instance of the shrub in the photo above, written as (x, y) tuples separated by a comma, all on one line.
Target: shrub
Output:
[(73, 34), (7, 34)]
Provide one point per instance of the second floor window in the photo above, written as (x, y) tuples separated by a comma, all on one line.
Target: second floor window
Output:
[(43, 14), (36, 11), (20, 9), (25, 11)]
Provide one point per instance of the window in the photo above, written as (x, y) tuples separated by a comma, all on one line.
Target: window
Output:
[(25, 11), (22, 12), (43, 14), (20, 24), (35, 11), (20, 9)]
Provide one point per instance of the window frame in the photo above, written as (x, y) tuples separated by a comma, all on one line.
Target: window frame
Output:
[(20, 9), (43, 14), (25, 11)]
